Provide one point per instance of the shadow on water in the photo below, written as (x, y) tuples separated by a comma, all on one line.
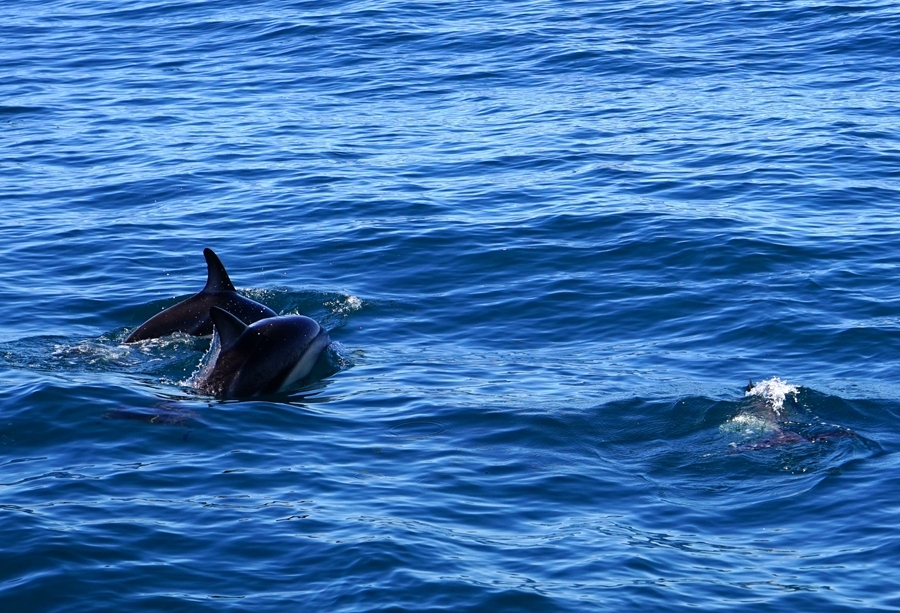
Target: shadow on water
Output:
[(172, 412), (160, 415)]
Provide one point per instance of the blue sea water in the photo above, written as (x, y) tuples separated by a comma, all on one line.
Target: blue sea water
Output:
[(552, 242)]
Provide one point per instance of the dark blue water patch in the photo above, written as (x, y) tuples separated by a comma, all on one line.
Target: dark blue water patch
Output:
[(304, 512), (552, 243)]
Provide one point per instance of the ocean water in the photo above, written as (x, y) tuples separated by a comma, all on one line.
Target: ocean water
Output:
[(552, 243)]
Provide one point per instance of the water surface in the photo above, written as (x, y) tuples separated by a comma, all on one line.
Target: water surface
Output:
[(552, 242)]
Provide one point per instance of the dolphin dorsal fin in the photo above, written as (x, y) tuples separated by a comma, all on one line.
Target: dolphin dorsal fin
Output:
[(229, 327), (216, 278)]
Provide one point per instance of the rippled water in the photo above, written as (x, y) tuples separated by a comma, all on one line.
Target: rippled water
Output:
[(551, 241)]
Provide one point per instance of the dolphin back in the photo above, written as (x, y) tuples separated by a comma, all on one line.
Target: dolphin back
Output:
[(191, 316)]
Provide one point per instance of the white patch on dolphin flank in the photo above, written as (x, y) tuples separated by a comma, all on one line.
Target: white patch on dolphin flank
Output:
[(307, 362)]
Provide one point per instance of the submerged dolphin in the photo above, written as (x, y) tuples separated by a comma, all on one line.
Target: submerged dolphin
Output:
[(191, 316), (767, 407), (268, 356)]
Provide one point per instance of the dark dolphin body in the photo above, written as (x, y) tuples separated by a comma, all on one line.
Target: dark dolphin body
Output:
[(191, 316), (268, 356), (783, 438)]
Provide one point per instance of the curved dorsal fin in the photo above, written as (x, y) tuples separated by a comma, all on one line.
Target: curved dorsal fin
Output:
[(229, 327), (216, 278)]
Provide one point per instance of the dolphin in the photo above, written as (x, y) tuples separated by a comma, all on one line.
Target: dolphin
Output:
[(191, 316), (768, 407), (783, 438), (266, 357)]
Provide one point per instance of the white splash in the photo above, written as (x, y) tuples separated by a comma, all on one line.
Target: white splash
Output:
[(206, 364), (748, 425), (345, 304), (92, 353), (764, 416), (774, 391)]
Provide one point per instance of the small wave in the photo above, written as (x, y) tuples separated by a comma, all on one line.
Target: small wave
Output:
[(91, 353), (331, 309), (344, 305), (747, 424)]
